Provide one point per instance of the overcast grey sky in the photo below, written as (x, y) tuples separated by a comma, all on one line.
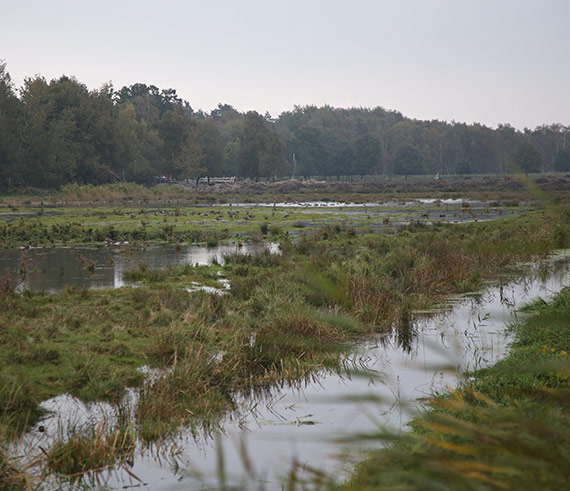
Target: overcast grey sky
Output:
[(487, 61)]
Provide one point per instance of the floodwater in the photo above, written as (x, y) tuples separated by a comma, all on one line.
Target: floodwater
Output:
[(390, 214), (459, 202), (305, 425), (51, 269)]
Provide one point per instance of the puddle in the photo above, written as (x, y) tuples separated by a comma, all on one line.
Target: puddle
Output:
[(305, 424), (51, 270), (195, 286)]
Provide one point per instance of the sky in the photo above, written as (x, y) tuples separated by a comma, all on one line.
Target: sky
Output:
[(486, 61)]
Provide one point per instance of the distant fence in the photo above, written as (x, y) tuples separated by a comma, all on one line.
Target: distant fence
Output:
[(199, 180), (217, 180)]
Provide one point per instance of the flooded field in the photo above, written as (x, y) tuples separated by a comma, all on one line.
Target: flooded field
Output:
[(303, 425), (66, 226), (216, 373)]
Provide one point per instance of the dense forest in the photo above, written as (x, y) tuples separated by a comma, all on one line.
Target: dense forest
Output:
[(57, 132)]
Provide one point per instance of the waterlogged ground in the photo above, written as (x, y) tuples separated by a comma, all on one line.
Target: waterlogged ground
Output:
[(304, 425), (26, 226), (42, 262), (332, 285)]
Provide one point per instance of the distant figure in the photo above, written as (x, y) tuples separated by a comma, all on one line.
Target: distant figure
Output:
[(437, 177)]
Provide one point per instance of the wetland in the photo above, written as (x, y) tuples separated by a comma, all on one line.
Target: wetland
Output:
[(309, 295)]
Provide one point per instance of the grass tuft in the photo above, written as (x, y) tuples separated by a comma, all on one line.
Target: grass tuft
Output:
[(91, 450)]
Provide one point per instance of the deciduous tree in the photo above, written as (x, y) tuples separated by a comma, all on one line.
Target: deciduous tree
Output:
[(527, 158), (261, 151), (409, 161)]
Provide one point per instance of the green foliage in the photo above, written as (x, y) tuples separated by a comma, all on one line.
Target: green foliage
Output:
[(409, 161), (367, 155), (562, 162), (312, 151), (464, 167), (182, 148), (261, 150), (212, 149), (10, 110), (527, 158), (58, 132)]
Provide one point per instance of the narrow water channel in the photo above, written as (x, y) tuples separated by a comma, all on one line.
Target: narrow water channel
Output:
[(305, 425)]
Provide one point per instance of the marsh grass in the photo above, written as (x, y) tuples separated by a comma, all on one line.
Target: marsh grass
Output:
[(13, 475), (18, 409), (118, 192), (126, 212), (8, 285), (207, 372), (91, 449), (281, 310), (86, 264), (471, 442), (493, 188)]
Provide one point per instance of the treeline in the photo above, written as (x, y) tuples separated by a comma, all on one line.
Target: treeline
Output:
[(56, 132)]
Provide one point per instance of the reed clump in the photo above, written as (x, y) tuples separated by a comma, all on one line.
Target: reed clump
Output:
[(91, 449), (8, 285)]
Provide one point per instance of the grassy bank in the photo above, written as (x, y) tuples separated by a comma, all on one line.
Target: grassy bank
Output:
[(285, 318), (505, 427)]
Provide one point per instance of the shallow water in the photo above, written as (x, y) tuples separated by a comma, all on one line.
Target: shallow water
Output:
[(51, 269), (342, 204), (305, 425)]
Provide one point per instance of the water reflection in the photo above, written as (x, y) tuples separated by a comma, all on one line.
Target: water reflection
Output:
[(52, 269)]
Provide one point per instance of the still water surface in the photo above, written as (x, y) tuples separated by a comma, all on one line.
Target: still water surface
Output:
[(51, 269)]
